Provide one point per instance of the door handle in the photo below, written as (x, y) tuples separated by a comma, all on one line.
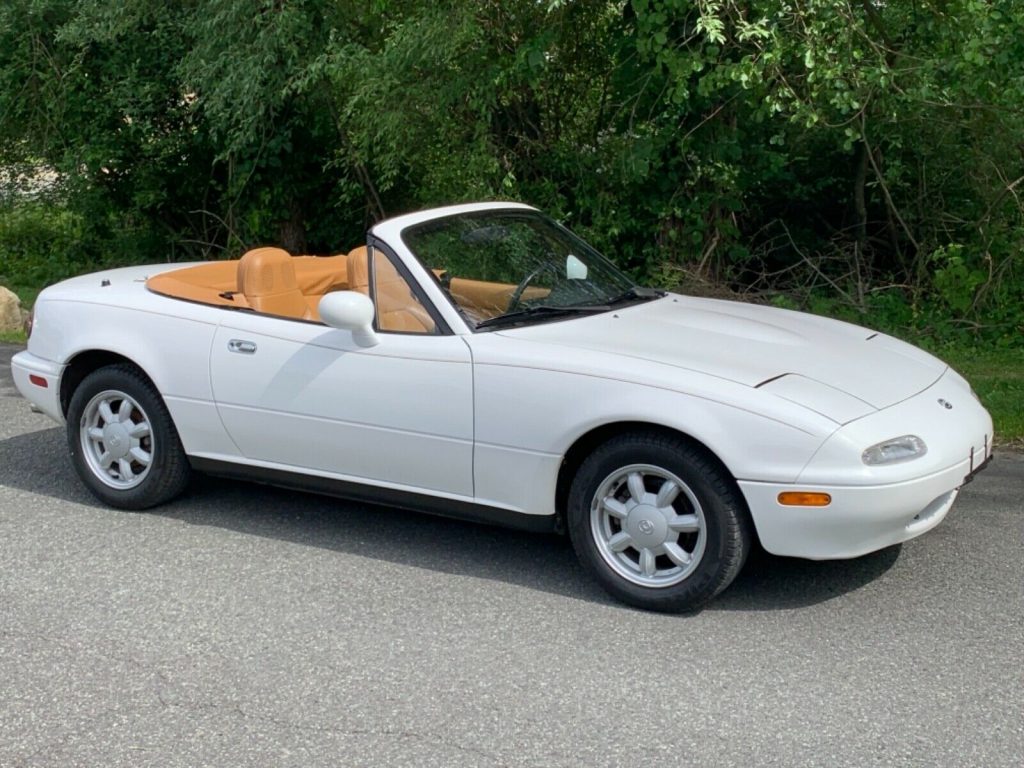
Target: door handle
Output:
[(242, 347)]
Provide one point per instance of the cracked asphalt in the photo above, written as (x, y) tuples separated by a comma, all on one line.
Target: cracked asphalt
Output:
[(246, 626)]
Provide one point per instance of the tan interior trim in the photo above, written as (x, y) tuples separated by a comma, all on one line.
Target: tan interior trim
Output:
[(489, 299), (216, 283), (205, 283)]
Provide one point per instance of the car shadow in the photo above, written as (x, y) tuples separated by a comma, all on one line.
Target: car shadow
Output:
[(540, 562)]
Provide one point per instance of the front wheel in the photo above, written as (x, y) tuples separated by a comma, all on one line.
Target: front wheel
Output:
[(658, 522), (122, 441)]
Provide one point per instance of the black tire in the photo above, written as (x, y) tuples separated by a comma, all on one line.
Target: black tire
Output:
[(168, 471), (723, 538)]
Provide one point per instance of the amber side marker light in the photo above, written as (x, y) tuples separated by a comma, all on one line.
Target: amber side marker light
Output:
[(804, 499)]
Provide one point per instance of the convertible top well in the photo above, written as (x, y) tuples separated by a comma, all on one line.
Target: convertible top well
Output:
[(264, 279)]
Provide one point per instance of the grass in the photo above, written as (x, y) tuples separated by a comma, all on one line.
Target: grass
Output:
[(997, 375), (12, 337)]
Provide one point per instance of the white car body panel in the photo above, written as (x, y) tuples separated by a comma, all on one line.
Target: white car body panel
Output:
[(859, 520), (580, 394), (750, 344), (309, 397), (785, 400), (170, 340), (44, 398), (875, 507)]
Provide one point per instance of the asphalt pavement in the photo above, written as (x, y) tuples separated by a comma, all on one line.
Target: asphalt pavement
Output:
[(246, 626)]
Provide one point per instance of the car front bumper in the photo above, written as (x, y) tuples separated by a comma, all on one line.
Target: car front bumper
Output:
[(38, 381), (876, 507), (860, 519)]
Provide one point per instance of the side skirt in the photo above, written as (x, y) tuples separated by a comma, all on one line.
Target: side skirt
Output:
[(417, 502)]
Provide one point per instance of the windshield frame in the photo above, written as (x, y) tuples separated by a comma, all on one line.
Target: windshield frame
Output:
[(581, 246)]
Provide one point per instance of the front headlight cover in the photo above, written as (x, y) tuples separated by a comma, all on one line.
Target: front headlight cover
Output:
[(894, 450)]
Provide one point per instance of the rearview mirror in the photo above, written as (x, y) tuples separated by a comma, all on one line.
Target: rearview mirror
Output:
[(575, 269), (350, 311)]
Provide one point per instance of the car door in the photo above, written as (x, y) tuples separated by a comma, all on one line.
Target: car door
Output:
[(303, 396)]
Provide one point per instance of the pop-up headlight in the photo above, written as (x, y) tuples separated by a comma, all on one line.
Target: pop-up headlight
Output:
[(895, 450)]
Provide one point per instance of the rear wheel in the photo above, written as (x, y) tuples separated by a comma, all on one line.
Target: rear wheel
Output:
[(658, 522), (122, 441)]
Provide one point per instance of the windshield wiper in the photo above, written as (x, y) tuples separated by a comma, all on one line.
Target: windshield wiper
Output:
[(545, 310), (636, 293)]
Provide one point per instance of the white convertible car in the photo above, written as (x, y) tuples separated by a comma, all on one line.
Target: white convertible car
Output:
[(481, 361)]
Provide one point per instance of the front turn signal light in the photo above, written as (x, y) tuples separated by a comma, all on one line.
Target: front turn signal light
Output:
[(804, 499)]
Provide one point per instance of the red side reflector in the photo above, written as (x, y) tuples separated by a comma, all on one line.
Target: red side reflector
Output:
[(39, 381)]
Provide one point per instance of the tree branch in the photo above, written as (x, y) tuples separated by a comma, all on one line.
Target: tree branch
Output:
[(881, 182)]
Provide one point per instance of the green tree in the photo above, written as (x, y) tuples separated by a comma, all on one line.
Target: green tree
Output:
[(855, 151)]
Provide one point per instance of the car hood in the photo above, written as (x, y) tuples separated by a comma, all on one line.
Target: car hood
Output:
[(841, 370)]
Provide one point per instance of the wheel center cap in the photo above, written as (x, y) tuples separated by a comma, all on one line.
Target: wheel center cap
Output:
[(116, 440), (646, 525)]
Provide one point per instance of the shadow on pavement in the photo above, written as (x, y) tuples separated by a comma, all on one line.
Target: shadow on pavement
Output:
[(769, 583), (37, 462)]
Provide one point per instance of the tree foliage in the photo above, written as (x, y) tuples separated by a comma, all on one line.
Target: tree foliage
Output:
[(870, 153)]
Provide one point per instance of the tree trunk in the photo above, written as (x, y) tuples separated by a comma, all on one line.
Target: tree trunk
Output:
[(859, 201), (291, 232)]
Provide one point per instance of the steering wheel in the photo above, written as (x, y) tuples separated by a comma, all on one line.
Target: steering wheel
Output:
[(517, 294)]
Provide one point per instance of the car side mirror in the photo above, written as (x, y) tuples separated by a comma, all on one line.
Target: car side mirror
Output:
[(350, 311)]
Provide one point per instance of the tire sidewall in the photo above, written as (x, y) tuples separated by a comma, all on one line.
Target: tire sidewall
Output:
[(720, 515), (166, 444)]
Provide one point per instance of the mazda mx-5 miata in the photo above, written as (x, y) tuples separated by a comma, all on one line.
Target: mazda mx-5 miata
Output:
[(482, 361)]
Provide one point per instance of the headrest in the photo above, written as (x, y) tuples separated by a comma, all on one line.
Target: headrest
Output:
[(358, 270), (266, 272)]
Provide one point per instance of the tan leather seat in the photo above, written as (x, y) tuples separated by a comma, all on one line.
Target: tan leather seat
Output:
[(397, 307), (359, 270), (266, 277), (318, 275)]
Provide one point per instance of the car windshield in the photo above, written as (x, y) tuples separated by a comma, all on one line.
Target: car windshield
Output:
[(503, 268)]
